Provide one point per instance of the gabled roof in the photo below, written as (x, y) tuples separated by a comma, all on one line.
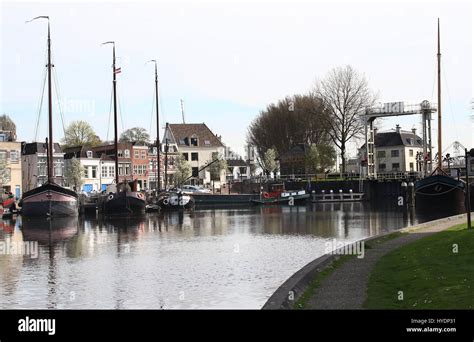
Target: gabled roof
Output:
[(393, 138), (206, 138)]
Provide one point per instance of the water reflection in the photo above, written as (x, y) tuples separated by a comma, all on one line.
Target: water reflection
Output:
[(212, 258)]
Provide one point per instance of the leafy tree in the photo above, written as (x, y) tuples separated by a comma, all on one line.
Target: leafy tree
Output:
[(345, 94), (183, 170), (319, 158), (135, 134), (80, 133), (4, 173), (7, 124), (216, 168), (293, 120), (73, 175), (268, 162)]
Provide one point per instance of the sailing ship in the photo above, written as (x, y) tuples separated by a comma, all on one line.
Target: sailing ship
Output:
[(49, 199), (440, 191), (123, 198)]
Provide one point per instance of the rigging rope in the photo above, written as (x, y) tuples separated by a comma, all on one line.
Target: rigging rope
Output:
[(40, 105), (151, 116), (58, 96), (450, 104), (110, 111)]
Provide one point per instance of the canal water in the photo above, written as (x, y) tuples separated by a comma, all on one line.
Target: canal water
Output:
[(207, 258)]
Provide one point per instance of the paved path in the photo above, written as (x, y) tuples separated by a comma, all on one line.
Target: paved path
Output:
[(346, 287)]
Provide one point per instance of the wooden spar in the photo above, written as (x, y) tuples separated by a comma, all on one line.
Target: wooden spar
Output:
[(50, 113), (440, 157)]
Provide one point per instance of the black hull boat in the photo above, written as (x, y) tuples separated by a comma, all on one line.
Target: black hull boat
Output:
[(175, 201), (51, 230), (440, 193), (49, 199), (125, 202)]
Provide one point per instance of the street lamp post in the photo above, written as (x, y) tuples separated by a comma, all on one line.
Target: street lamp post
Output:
[(468, 196)]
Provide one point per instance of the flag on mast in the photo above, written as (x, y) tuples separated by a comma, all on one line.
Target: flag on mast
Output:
[(117, 70)]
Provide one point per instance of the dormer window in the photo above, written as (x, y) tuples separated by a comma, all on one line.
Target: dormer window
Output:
[(126, 153), (89, 154), (194, 141), (207, 142)]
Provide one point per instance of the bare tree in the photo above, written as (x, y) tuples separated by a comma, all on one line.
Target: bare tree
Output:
[(345, 94)]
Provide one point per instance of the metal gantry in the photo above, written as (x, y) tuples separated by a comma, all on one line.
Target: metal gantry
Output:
[(425, 108)]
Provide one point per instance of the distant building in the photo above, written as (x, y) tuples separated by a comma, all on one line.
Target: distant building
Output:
[(98, 168), (196, 143), (153, 168), (251, 158), (292, 162), (132, 161), (140, 163), (124, 158), (396, 151), (35, 167), (237, 169), (10, 151)]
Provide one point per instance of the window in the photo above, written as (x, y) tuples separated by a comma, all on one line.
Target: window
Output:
[(112, 171), (94, 171), (207, 142), (410, 152), (195, 172), (126, 153), (120, 154), (58, 167), (3, 154), (143, 154), (182, 141), (395, 153), (104, 171), (185, 155), (127, 169), (194, 141), (136, 154), (86, 172), (14, 156), (243, 170), (396, 167), (194, 156), (42, 168), (382, 167), (412, 167), (380, 154), (89, 154), (121, 170)]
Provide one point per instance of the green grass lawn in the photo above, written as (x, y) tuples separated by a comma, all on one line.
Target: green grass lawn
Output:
[(428, 272)]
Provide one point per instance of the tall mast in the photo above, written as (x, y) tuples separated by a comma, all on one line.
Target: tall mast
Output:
[(157, 128), (115, 111), (50, 105), (50, 112), (440, 157)]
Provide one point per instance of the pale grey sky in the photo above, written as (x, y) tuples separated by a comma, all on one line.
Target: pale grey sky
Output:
[(228, 60)]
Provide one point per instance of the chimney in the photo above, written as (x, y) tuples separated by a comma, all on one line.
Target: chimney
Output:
[(413, 130), (397, 128)]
